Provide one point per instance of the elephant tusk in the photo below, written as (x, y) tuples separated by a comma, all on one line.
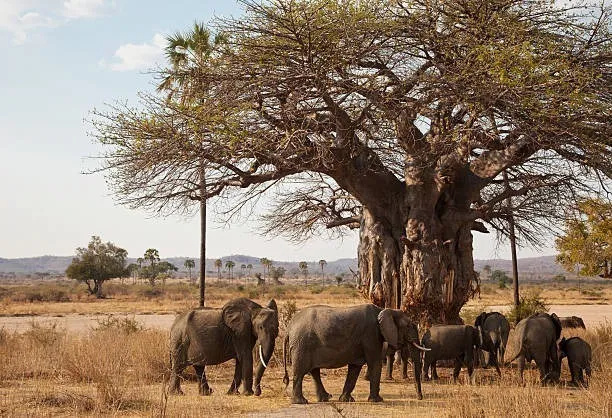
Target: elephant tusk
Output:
[(421, 348), (261, 357)]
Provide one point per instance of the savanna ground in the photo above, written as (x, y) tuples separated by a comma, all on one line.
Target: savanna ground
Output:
[(118, 367)]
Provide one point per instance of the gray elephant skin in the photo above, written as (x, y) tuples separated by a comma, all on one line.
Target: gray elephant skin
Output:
[(451, 342), (207, 337), (326, 337), (578, 353), (495, 331), (536, 338), (402, 356)]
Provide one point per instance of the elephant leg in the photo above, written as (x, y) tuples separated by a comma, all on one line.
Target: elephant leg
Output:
[(298, 377), (390, 361), (580, 376), (457, 369), (246, 360), (322, 394), (434, 370), (573, 373), (544, 367), (496, 364), (174, 384), (404, 368), (351, 380), (203, 387), (375, 364), (233, 390)]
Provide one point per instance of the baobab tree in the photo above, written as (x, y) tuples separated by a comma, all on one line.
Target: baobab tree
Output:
[(397, 118)]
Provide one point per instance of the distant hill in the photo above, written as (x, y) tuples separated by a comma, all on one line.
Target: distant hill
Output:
[(532, 268)]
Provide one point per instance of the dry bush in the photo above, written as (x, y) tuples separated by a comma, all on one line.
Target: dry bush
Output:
[(33, 354)]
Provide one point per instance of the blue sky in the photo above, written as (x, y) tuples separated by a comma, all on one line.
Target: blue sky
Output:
[(61, 59)]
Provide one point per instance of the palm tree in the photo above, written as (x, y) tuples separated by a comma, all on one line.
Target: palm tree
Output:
[(303, 266), (242, 270), (250, 269), (322, 263), (218, 265), (187, 53), (266, 264), (189, 264), (152, 256), (229, 265)]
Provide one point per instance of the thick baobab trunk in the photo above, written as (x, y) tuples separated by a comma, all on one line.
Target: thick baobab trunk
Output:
[(431, 275)]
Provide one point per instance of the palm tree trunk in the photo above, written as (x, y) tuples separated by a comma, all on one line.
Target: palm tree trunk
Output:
[(202, 235)]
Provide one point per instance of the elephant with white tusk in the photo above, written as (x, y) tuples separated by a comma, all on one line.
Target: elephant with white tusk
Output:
[(207, 337), (326, 337)]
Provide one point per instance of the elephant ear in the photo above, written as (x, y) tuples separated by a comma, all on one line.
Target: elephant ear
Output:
[(237, 316), (272, 305), (557, 323), (388, 328), (480, 319)]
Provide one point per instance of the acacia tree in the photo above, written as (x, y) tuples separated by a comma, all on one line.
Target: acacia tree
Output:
[(396, 118), (96, 264), (588, 239)]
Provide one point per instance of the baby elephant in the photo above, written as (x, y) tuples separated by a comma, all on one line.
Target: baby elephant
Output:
[(578, 353), (451, 342)]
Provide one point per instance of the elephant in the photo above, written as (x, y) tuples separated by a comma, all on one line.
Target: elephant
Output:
[(578, 353), (495, 331), (536, 337), (207, 337), (327, 337), (451, 342), (402, 355), (572, 322)]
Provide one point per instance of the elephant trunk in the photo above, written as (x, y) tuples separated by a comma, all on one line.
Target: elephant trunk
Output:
[(263, 354), (415, 355)]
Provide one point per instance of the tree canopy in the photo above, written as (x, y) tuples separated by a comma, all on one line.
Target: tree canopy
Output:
[(394, 117), (97, 263), (587, 240)]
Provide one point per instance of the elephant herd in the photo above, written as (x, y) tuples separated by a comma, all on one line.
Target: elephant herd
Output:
[(324, 337)]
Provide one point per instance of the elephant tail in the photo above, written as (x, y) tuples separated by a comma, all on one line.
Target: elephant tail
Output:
[(520, 351), (286, 377)]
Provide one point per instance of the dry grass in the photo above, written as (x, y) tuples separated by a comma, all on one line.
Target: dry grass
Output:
[(64, 297), (120, 370)]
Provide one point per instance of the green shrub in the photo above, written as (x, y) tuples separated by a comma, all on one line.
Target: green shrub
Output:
[(528, 306)]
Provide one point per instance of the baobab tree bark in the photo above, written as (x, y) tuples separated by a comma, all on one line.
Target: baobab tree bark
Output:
[(432, 277), (416, 253)]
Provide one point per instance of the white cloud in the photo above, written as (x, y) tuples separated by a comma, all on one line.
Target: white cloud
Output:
[(78, 9), (131, 57), (24, 19), (18, 18)]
